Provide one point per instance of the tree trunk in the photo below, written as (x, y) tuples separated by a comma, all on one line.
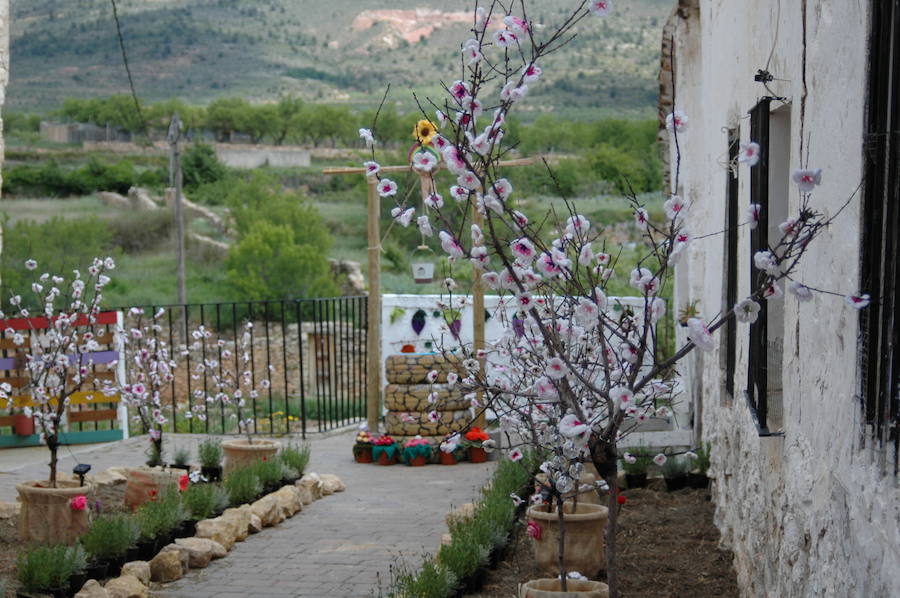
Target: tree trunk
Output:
[(563, 574), (51, 443)]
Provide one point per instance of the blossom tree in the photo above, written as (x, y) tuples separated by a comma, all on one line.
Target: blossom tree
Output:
[(570, 377), (150, 366), (229, 375), (57, 361)]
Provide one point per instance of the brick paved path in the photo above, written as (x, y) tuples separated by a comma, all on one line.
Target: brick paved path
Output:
[(336, 547)]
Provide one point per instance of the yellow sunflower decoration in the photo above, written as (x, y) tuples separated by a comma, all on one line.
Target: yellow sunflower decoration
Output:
[(424, 131)]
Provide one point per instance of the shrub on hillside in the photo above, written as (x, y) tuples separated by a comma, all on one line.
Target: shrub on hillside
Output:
[(134, 232), (200, 166)]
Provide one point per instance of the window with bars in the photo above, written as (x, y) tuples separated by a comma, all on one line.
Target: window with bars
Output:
[(731, 260), (880, 269), (769, 190)]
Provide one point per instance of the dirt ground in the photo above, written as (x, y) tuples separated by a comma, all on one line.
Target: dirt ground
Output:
[(667, 549)]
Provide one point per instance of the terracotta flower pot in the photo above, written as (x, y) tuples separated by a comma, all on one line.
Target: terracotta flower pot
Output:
[(48, 515), (23, 424), (575, 588), (363, 454), (419, 461), (448, 458), (240, 452), (383, 459), (585, 549), (477, 454)]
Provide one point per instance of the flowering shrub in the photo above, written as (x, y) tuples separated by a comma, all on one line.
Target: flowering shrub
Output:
[(570, 376), (57, 362), (476, 437)]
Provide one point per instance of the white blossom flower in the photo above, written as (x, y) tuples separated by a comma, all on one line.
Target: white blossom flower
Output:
[(387, 187), (800, 290), (372, 168), (747, 311), (807, 178), (749, 153), (424, 226), (857, 301), (556, 368), (31, 264), (424, 161), (660, 459), (516, 455), (699, 334), (366, 135), (600, 8), (676, 121)]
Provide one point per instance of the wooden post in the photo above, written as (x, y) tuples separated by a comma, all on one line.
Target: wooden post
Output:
[(373, 334), (478, 311), (174, 136)]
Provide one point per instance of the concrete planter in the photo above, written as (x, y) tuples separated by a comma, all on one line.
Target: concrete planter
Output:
[(585, 549), (47, 516), (576, 588), (241, 452)]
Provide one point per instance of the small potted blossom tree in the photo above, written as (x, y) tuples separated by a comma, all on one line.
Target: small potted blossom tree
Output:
[(57, 364), (231, 383)]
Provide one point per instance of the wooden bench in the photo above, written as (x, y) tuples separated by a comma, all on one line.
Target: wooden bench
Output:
[(91, 416)]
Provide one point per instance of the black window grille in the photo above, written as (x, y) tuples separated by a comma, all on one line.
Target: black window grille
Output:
[(757, 370), (731, 259), (880, 271)]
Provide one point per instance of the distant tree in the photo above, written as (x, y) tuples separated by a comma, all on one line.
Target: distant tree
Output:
[(227, 115), (288, 108), (201, 166)]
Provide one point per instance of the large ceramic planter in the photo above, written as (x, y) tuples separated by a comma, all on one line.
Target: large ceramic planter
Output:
[(240, 452), (47, 516), (585, 549), (23, 424), (575, 588), (588, 495), (149, 483)]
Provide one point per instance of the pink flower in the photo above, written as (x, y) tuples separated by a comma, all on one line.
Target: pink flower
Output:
[(424, 161), (387, 187), (469, 180), (517, 25), (515, 455), (450, 245), (505, 38), (78, 503), (434, 200), (371, 168), (556, 368), (534, 530), (600, 8), (459, 90), (523, 250), (857, 301), (676, 121), (749, 153), (458, 193), (807, 178), (660, 459), (531, 73)]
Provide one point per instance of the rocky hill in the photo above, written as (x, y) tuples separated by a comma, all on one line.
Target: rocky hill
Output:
[(342, 51)]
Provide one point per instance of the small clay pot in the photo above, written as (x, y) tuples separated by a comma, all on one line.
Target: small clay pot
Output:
[(477, 454), (419, 461), (448, 458), (363, 454), (383, 459)]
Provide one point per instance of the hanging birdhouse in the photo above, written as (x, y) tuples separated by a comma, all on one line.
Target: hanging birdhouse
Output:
[(423, 265)]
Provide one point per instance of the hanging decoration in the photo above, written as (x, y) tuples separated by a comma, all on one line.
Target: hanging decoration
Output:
[(418, 322)]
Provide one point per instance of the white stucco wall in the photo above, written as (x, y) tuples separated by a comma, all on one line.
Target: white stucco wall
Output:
[(808, 513)]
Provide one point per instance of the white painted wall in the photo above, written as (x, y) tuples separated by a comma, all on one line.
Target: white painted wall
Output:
[(807, 514)]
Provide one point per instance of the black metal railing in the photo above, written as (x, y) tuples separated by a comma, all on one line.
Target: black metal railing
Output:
[(311, 351)]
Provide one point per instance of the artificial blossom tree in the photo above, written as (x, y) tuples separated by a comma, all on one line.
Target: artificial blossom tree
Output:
[(569, 377)]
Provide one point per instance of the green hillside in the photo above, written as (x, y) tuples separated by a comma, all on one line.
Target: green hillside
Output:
[(339, 51)]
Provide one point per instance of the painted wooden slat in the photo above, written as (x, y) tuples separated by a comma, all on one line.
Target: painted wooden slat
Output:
[(96, 357), (7, 420), (7, 344), (106, 317), (92, 415), (87, 437), (84, 397)]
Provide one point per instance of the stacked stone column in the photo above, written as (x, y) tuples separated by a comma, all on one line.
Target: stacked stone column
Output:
[(406, 397)]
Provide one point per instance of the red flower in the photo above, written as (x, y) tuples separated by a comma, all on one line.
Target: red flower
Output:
[(621, 499), (78, 503), (534, 530), (476, 435), (183, 482), (265, 458), (152, 494)]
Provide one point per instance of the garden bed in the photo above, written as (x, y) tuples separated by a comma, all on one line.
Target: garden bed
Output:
[(667, 549)]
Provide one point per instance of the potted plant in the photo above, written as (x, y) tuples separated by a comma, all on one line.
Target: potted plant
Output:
[(362, 448), (158, 519), (23, 423), (210, 455), (231, 386), (674, 470), (451, 450), (270, 473), (296, 458), (180, 460), (384, 450), (690, 310), (417, 451), (475, 439), (552, 588), (46, 570), (56, 367), (107, 542), (636, 463), (150, 369), (697, 477), (243, 486), (204, 501)]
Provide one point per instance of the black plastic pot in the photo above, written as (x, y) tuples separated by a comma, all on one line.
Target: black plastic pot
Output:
[(132, 554), (115, 566), (186, 528), (212, 474), (636, 480), (56, 593), (698, 480), (76, 582), (677, 482), (97, 570), (147, 549)]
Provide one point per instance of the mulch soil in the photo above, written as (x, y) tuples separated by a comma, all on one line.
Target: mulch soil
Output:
[(668, 548)]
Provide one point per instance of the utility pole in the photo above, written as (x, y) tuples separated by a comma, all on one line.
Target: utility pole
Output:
[(174, 137)]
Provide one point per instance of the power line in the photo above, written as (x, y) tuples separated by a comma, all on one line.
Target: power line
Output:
[(137, 104)]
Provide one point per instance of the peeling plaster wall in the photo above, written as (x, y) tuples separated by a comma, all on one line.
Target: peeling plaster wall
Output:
[(809, 513)]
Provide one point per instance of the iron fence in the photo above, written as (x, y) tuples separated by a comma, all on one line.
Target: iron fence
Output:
[(312, 352)]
